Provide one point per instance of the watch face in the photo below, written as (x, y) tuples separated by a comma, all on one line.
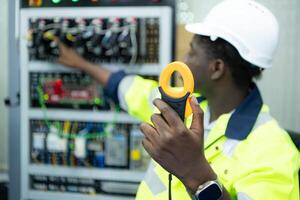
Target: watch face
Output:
[(212, 192)]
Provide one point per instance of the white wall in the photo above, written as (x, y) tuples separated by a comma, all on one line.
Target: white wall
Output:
[(3, 84), (280, 85)]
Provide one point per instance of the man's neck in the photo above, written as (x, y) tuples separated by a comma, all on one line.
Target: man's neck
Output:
[(224, 100)]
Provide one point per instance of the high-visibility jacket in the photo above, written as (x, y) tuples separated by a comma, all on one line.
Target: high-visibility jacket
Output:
[(253, 157)]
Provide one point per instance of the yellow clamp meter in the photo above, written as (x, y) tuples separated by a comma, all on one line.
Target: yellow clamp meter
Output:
[(177, 98)]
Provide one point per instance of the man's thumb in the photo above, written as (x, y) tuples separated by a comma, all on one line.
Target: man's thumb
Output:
[(197, 122)]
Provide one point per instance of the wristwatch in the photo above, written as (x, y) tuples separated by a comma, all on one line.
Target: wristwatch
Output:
[(211, 190)]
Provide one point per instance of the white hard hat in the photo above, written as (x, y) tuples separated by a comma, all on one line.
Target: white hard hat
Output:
[(250, 27)]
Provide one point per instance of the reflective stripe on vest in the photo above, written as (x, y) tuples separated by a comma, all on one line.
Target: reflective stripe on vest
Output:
[(242, 196), (153, 181), (122, 90)]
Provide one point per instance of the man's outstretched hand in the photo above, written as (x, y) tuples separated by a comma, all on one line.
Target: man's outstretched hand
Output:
[(69, 57)]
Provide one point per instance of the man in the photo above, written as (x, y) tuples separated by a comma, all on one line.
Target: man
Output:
[(240, 152)]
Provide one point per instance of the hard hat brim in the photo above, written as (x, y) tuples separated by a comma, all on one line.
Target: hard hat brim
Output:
[(215, 32), (199, 29)]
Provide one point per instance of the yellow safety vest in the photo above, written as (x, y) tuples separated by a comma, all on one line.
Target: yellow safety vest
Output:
[(263, 166)]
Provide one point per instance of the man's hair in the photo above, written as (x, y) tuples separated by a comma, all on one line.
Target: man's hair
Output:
[(242, 71)]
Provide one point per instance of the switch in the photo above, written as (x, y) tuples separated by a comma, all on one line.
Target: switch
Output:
[(36, 3), (58, 87)]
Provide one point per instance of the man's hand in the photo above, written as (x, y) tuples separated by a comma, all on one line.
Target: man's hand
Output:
[(176, 148), (69, 57)]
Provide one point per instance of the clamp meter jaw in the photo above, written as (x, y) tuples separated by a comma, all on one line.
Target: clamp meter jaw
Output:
[(178, 99)]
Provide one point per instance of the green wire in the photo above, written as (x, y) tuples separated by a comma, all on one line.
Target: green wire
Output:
[(100, 135)]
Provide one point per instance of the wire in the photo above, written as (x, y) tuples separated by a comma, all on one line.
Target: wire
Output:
[(76, 30), (63, 134), (134, 44), (170, 186)]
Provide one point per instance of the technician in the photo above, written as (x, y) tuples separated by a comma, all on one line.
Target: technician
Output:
[(236, 149)]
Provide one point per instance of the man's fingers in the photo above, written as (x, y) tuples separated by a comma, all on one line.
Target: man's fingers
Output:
[(62, 47), (150, 138), (160, 124), (197, 122), (57, 41), (150, 148), (168, 113), (60, 44), (149, 132)]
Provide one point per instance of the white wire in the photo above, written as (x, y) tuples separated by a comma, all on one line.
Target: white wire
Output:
[(134, 45), (76, 29)]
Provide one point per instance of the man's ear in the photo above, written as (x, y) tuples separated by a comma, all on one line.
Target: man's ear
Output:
[(216, 69)]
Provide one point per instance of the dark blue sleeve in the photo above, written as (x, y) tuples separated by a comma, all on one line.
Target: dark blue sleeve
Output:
[(111, 88)]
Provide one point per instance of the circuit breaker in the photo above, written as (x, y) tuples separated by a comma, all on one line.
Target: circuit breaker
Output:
[(76, 142), (128, 40)]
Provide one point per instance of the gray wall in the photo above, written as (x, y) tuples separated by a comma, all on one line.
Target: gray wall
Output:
[(280, 85), (3, 84)]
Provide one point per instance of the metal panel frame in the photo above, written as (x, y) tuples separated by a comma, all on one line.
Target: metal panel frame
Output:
[(93, 116), (82, 172), (14, 111), (36, 195), (163, 12), (101, 3)]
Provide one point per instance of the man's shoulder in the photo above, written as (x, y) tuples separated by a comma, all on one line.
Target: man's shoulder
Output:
[(268, 140), (267, 127)]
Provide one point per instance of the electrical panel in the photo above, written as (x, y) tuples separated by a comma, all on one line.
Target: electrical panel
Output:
[(85, 186), (76, 142), (66, 90), (87, 144), (128, 40)]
